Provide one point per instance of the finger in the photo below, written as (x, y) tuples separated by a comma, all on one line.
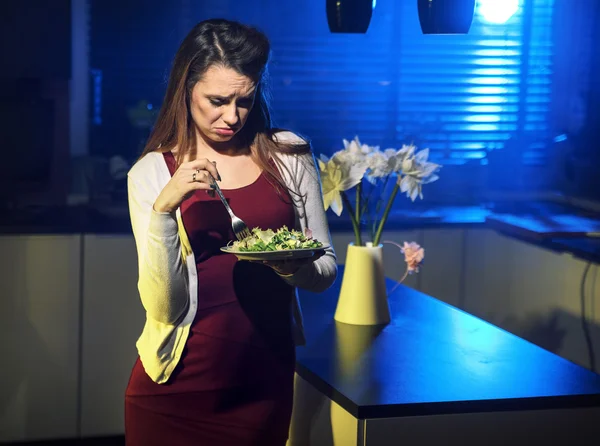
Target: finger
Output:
[(204, 164), (199, 185), (196, 176)]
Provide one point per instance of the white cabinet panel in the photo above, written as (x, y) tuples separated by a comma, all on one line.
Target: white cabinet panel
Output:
[(113, 318), (39, 336)]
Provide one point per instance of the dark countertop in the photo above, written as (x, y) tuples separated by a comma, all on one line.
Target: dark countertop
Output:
[(432, 359), (544, 220), (550, 225), (422, 217)]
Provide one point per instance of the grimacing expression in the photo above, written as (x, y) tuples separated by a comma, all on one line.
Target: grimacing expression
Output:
[(221, 102)]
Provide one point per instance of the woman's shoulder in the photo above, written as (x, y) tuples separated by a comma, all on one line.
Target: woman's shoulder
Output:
[(293, 158), (148, 163), (150, 170), (288, 137)]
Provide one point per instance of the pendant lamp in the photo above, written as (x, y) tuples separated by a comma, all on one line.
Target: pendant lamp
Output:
[(349, 16), (446, 16)]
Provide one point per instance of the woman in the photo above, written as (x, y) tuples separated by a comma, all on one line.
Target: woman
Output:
[(217, 352)]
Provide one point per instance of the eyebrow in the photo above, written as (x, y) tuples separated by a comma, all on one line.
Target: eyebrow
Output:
[(230, 97)]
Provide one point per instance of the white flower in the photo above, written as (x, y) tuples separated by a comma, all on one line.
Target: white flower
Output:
[(353, 153), (338, 177), (401, 157), (377, 163), (355, 146), (415, 171), (344, 158), (381, 164), (407, 150)]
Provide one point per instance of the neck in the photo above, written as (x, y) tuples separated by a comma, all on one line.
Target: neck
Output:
[(206, 146)]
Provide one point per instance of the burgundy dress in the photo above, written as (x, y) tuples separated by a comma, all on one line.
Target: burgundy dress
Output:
[(234, 382)]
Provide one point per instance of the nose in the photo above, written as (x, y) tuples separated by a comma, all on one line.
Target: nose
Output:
[(230, 115)]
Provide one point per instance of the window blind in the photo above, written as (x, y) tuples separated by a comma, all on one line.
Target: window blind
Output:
[(464, 95), (461, 95)]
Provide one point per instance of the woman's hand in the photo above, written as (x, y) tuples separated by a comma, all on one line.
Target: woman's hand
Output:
[(290, 266), (189, 177)]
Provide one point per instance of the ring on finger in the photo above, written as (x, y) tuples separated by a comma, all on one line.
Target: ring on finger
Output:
[(194, 176)]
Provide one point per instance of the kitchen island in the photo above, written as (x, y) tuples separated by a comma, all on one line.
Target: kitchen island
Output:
[(434, 375)]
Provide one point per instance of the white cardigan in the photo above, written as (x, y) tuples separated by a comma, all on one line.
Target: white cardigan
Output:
[(168, 282)]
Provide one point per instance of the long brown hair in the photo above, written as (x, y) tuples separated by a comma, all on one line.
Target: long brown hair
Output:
[(243, 49)]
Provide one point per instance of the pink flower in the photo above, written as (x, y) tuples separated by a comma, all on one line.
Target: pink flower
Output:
[(413, 256)]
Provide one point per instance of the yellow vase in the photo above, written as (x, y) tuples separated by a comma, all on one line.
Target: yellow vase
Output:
[(363, 297)]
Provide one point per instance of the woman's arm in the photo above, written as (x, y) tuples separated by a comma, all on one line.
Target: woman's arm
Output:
[(319, 275), (162, 282)]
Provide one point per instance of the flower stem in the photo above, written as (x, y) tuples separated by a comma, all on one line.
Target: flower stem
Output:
[(378, 207), (386, 213), (399, 282), (355, 224), (405, 272), (358, 196)]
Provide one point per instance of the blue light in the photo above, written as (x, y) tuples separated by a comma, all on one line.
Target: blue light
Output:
[(560, 138), (497, 61), (499, 52), (492, 80), (498, 11), (483, 118), (482, 128), (487, 90), (485, 109), (487, 99), (495, 72)]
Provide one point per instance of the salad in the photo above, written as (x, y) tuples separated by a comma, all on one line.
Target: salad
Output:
[(279, 240)]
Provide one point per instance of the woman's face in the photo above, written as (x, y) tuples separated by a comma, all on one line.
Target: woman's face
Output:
[(221, 102)]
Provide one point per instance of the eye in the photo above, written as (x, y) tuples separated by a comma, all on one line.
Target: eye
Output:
[(217, 102)]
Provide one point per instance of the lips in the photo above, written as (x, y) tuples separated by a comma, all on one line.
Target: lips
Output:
[(225, 131)]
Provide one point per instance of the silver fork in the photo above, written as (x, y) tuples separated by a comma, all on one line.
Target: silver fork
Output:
[(240, 229)]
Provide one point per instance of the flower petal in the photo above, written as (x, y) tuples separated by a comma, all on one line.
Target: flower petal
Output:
[(421, 156), (415, 191), (322, 163), (430, 179), (328, 198), (336, 204), (354, 176), (428, 169), (405, 183)]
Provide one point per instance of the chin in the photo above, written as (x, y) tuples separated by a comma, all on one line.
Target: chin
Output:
[(220, 138), (225, 139)]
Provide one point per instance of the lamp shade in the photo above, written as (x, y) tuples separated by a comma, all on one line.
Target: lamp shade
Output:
[(349, 16), (446, 16)]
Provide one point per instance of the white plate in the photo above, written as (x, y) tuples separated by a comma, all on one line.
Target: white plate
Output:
[(274, 255)]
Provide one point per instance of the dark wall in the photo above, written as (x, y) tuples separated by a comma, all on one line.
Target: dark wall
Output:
[(132, 44), (35, 39), (35, 49)]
